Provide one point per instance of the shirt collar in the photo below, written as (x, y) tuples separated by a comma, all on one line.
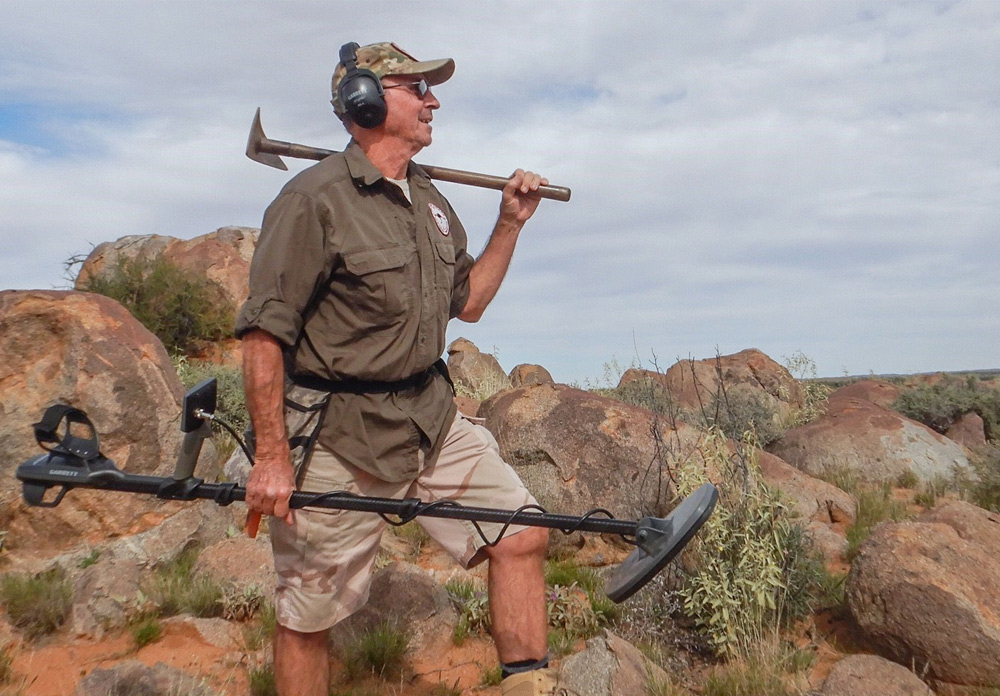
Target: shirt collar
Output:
[(363, 170), (359, 165)]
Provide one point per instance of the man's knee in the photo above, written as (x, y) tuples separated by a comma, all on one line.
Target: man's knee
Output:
[(290, 639), (533, 541)]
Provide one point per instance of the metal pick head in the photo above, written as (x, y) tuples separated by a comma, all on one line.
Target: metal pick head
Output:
[(254, 142)]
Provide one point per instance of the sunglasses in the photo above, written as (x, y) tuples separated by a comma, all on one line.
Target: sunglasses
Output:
[(420, 87)]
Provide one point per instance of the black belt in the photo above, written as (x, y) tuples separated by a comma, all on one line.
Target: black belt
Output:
[(360, 386)]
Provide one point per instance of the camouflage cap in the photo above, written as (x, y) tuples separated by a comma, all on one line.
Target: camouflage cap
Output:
[(389, 59)]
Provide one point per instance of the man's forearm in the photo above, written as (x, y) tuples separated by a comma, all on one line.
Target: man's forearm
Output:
[(264, 384), (488, 272)]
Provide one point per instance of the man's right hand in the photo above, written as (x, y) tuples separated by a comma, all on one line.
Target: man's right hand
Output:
[(270, 488)]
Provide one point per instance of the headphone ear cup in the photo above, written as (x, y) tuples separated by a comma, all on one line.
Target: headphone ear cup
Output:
[(360, 92)]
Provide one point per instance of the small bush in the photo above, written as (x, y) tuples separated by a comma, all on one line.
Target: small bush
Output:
[(473, 605), (377, 651), (756, 571), (145, 630), (255, 635), (662, 686), (37, 604), (90, 559), (241, 603), (803, 368), (262, 680), (183, 309), (986, 491), (646, 393), (176, 590), (874, 507), (415, 536), (491, 676), (762, 672)]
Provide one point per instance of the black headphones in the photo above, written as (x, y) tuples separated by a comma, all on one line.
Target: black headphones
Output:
[(360, 91)]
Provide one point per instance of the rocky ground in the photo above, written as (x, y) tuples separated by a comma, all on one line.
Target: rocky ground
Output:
[(919, 588)]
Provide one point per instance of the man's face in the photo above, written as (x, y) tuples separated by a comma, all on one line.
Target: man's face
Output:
[(408, 115)]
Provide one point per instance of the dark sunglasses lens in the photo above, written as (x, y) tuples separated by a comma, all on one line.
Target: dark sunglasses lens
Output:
[(422, 88)]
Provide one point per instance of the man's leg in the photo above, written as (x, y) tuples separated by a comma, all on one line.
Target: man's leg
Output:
[(301, 663), (517, 595)]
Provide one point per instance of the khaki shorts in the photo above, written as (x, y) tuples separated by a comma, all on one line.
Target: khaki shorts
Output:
[(325, 560)]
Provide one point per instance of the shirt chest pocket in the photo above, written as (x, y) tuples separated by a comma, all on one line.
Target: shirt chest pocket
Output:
[(444, 266), (376, 283)]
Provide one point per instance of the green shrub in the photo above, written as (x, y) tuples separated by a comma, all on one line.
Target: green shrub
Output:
[(37, 604), (491, 676), (145, 630), (183, 309), (256, 634), (803, 369), (262, 680), (241, 602), (938, 406), (986, 491), (874, 507), (473, 605), (377, 651), (90, 559), (175, 589), (755, 570), (762, 672)]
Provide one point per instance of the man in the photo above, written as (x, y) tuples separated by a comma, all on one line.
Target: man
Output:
[(361, 263)]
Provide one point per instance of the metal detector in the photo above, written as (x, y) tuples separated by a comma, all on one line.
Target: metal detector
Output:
[(73, 460)]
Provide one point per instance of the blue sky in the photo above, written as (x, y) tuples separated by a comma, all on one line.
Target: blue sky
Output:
[(821, 177)]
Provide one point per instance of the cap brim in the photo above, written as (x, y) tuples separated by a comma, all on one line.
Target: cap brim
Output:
[(434, 71)]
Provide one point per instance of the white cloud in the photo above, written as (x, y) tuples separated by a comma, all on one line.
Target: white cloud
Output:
[(820, 176)]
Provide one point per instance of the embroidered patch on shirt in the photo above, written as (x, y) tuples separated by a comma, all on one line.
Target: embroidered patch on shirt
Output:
[(440, 219)]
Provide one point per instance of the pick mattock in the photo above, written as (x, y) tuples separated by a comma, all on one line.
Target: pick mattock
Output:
[(262, 149)]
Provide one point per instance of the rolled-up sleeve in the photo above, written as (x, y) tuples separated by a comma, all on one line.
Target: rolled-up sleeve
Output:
[(463, 266), (289, 266)]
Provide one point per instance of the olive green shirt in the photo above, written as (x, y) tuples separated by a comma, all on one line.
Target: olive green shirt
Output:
[(357, 283)]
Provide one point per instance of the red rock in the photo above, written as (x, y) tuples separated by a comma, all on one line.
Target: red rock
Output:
[(874, 443), (88, 351), (878, 392), (222, 256)]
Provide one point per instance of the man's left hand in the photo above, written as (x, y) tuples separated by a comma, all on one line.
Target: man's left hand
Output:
[(520, 196)]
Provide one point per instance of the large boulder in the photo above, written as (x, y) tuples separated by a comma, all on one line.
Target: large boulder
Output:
[(870, 675), (609, 666), (877, 391), (88, 351), (927, 593), (136, 679), (968, 430), (824, 510), (527, 375), (744, 385), (872, 442), (222, 256), (404, 594), (475, 372), (107, 580), (576, 450)]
